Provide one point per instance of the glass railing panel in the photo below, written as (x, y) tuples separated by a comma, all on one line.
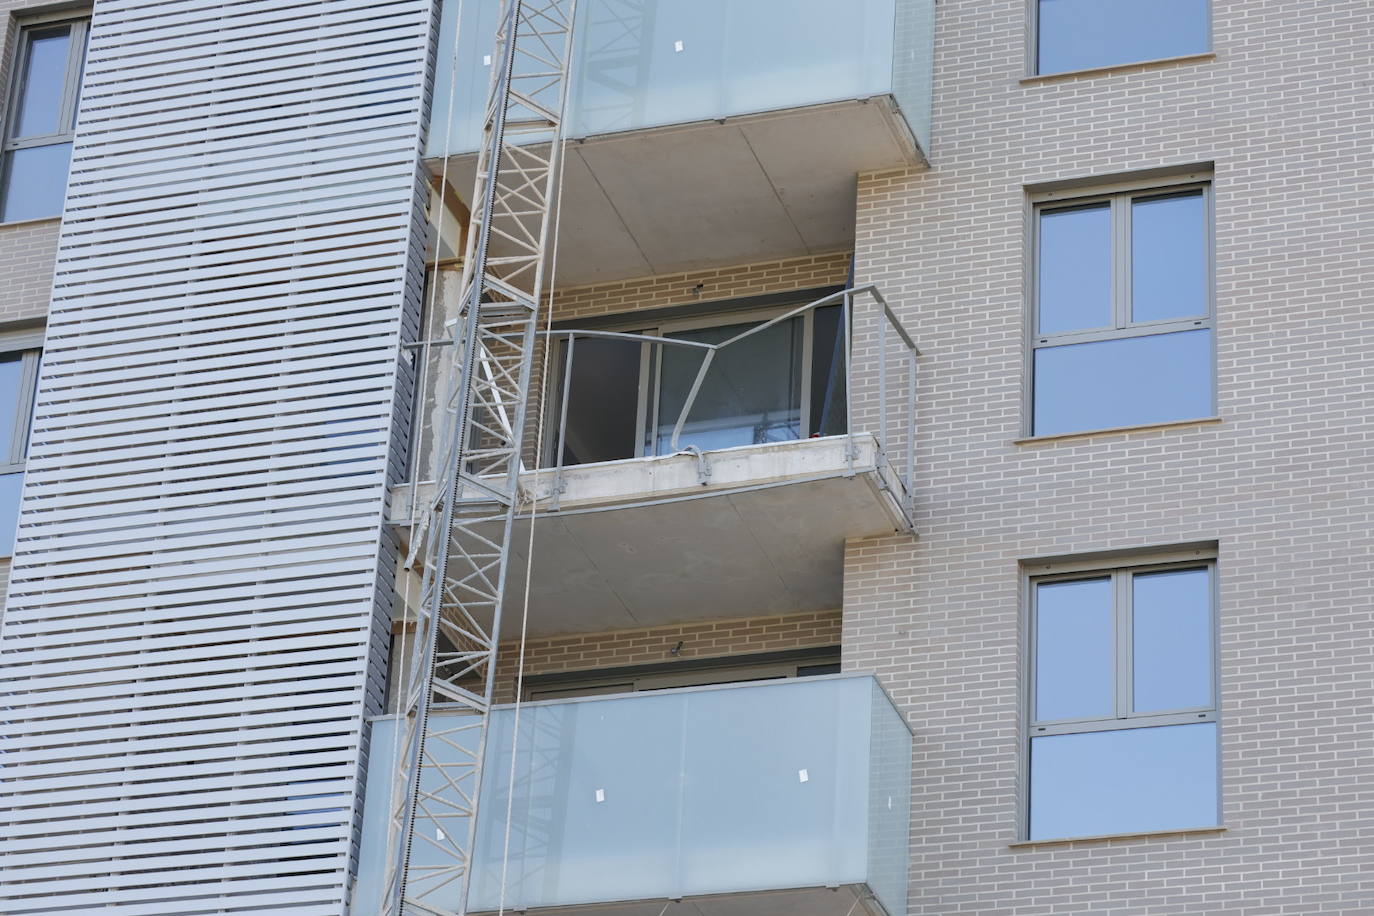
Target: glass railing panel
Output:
[(684, 793), (775, 785), (660, 795), (889, 804), (649, 63), (912, 66), (597, 802)]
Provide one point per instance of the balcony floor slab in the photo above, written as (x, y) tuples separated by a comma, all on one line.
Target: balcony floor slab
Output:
[(643, 542)]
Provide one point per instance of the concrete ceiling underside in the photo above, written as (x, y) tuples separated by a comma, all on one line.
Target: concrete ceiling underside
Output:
[(846, 900), (778, 549), (692, 196)]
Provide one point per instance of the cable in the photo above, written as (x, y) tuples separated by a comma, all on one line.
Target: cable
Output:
[(422, 364), (534, 501)]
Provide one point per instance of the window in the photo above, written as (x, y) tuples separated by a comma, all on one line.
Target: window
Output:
[(44, 87), (1122, 316), (18, 379), (785, 382), (1122, 710), (737, 669), (1088, 34)]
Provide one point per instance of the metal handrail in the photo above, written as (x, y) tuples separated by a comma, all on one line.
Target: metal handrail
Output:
[(846, 298)]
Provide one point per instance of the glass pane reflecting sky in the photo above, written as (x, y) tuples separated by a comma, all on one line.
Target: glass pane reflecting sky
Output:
[(10, 485), (1074, 650), (45, 79), (1172, 627), (1075, 269), (1135, 380), (1127, 781), (1168, 257), (11, 374), (36, 181), (1081, 34)]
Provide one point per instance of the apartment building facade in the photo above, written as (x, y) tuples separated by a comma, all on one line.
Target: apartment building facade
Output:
[(1008, 556)]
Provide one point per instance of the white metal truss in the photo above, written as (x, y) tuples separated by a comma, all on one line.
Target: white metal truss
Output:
[(202, 583), (467, 526)]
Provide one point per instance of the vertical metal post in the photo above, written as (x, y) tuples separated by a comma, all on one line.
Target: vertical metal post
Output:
[(882, 379), (846, 313), (562, 422), (911, 435)]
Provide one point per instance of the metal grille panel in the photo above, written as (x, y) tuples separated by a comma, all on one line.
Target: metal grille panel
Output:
[(201, 591)]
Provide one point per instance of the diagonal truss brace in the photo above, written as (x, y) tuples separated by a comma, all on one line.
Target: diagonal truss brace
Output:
[(466, 528)]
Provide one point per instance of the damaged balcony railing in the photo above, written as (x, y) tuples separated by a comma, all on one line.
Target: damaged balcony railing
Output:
[(756, 380)]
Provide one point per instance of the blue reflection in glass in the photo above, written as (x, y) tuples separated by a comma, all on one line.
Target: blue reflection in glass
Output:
[(1075, 653), (1082, 34), (1168, 257), (1133, 780), (45, 80), (1172, 626), (1075, 273), (11, 375), (1126, 382), (10, 486), (36, 181)]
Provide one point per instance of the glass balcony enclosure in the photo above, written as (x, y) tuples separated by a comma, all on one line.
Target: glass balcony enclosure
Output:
[(624, 395), (651, 63), (801, 786)]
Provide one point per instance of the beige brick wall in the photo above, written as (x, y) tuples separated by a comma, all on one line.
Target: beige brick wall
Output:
[(1283, 483), (709, 639), (718, 283)]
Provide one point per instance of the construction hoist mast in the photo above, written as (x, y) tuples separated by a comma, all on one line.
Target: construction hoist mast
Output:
[(466, 527)]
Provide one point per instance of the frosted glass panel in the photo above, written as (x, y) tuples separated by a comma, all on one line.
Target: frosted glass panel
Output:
[(659, 62), (775, 787), (686, 792), (1127, 781), (889, 805)]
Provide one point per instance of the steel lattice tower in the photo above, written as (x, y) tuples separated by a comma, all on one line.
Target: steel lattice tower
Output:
[(467, 525)]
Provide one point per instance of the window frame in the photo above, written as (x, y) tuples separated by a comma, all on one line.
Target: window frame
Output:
[(1033, 47), (1121, 571), (80, 23), (1119, 196), (651, 363), (705, 672)]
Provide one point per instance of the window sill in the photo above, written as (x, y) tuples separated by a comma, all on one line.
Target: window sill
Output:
[(1187, 831), (35, 221), (1112, 430), (1113, 68)]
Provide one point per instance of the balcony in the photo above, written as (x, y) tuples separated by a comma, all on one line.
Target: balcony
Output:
[(713, 469), (743, 800), (708, 132)]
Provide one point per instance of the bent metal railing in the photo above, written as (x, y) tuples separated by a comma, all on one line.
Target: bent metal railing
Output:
[(893, 412)]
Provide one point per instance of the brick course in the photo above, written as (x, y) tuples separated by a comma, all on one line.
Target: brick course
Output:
[(652, 645), (1283, 483)]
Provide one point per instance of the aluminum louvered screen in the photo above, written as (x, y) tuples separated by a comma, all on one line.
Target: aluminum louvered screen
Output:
[(201, 588)]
